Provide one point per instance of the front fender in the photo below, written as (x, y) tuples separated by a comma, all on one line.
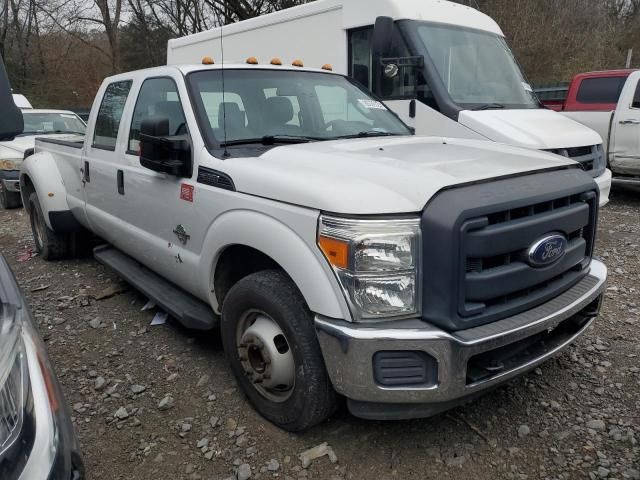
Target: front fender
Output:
[(302, 261), (40, 173)]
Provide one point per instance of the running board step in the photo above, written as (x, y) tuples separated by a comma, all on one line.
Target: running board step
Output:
[(187, 309)]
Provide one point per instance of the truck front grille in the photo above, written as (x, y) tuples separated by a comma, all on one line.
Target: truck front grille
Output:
[(476, 241), (498, 278), (591, 157)]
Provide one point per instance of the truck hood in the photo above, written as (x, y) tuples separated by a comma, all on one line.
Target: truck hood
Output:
[(540, 129), (378, 176), (18, 145)]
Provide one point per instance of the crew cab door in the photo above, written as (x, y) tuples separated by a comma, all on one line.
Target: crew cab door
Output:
[(624, 148), (101, 159), (158, 208)]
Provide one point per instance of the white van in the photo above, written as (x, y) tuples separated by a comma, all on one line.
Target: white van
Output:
[(444, 68)]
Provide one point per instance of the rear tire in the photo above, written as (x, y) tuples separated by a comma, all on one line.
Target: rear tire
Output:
[(268, 301), (9, 199), (49, 244)]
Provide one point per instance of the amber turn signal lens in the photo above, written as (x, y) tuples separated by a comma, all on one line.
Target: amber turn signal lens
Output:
[(336, 251)]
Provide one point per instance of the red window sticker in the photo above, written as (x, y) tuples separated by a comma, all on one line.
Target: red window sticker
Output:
[(186, 192)]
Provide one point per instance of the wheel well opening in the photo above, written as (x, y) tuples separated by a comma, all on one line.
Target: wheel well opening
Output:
[(26, 189), (235, 263)]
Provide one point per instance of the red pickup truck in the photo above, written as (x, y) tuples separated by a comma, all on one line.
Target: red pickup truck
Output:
[(592, 91), (609, 103)]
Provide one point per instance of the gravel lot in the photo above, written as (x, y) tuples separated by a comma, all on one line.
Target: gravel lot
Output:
[(158, 402)]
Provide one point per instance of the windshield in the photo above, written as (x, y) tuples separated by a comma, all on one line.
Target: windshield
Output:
[(286, 105), (477, 68), (53, 122)]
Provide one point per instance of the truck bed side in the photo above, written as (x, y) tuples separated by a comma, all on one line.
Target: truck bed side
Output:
[(53, 172)]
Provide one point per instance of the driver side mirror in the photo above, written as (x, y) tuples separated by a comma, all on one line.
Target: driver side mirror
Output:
[(164, 153)]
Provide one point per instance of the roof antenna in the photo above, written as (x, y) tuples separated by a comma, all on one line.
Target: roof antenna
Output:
[(225, 154)]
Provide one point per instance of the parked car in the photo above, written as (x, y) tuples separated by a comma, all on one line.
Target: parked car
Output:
[(37, 440), (336, 252), (609, 103), (37, 123), (444, 68)]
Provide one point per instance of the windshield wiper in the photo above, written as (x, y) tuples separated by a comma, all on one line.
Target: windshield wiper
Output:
[(271, 140), (365, 134), (490, 106)]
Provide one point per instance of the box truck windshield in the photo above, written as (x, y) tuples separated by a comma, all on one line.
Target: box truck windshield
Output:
[(477, 68)]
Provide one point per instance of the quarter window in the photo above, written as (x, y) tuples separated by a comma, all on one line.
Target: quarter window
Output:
[(159, 98), (110, 114), (600, 90)]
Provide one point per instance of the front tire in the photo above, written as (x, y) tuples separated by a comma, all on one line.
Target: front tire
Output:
[(9, 199), (270, 343), (49, 244)]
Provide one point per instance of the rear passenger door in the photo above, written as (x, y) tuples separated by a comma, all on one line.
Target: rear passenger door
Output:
[(101, 159)]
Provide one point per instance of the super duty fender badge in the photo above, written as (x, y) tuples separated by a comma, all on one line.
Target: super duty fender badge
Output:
[(182, 234)]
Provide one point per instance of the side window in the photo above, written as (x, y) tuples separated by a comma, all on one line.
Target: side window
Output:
[(636, 97), (360, 55), (600, 90), (158, 97), (110, 114)]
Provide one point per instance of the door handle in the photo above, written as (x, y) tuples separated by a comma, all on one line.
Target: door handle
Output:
[(631, 121), (120, 182), (86, 177)]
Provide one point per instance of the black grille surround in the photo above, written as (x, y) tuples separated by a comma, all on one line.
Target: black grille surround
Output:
[(475, 239), (591, 157)]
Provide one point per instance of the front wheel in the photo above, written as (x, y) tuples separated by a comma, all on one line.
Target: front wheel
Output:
[(271, 345)]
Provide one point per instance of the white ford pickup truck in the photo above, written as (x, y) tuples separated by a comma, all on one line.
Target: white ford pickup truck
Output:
[(337, 253)]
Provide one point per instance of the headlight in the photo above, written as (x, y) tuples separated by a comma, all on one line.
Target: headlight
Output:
[(12, 382), (10, 164), (376, 262)]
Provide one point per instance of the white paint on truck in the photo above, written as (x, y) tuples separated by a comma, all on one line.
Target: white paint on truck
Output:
[(468, 65), (301, 218)]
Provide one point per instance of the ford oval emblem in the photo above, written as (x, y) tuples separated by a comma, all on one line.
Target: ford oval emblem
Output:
[(547, 250)]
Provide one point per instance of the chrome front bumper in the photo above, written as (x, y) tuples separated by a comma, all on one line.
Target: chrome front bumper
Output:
[(349, 350)]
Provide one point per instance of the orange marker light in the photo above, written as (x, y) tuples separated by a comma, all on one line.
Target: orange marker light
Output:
[(207, 61), (276, 61), (297, 63), (252, 61), (327, 66), (336, 251)]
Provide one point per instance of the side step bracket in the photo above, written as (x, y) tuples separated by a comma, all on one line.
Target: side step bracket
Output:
[(187, 309)]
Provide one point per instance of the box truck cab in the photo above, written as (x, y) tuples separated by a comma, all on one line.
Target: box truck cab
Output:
[(444, 68)]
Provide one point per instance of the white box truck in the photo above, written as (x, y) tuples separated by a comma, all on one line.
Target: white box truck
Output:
[(444, 68)]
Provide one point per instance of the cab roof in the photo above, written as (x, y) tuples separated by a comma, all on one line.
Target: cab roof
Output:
[(189, 68)]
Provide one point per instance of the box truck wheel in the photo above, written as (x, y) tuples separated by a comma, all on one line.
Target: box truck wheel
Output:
[(49, 244), (270, 342), (9, 199)]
